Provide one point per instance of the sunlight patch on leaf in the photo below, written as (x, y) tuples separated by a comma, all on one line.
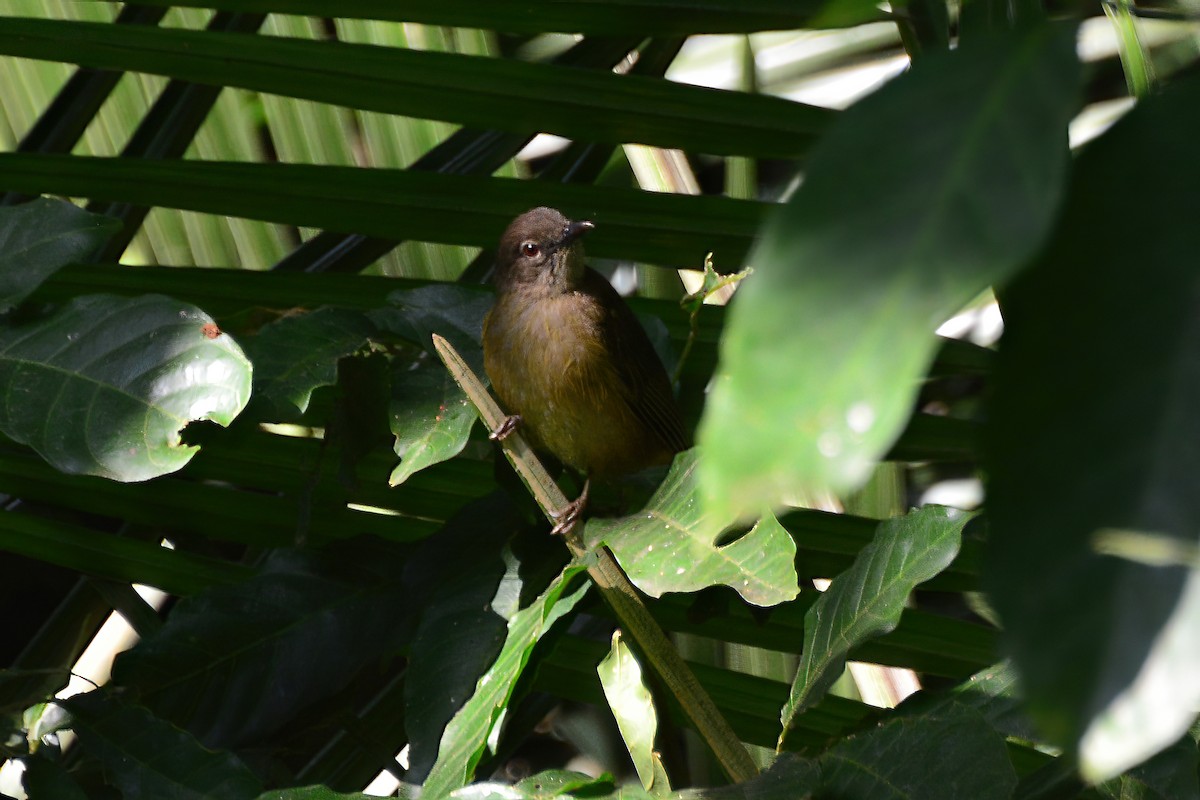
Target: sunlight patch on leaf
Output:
[(671, 545)]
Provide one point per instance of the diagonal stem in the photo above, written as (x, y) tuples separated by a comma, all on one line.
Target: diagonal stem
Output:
[(614, 586)]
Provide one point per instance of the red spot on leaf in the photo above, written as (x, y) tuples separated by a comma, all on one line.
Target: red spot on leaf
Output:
[(210, 330)]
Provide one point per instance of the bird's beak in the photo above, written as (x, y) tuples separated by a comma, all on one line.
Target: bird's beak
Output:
[(576, 229)]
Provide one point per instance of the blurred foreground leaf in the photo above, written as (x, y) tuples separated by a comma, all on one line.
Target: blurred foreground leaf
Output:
[(1094, 449), (888, 236)]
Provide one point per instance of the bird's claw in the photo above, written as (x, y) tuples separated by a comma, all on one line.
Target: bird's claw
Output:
[(510, 424), (567, 519)]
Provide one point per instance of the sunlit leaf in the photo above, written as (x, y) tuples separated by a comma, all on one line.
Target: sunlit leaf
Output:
[(632, 706), (105, 385), (671, 545)]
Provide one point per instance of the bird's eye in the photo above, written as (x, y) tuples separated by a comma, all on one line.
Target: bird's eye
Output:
[(530, 249)]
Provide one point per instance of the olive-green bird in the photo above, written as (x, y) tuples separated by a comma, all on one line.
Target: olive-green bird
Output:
[(569, 361)]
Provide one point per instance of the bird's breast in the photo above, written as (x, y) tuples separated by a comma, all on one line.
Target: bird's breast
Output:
[(548, 362)]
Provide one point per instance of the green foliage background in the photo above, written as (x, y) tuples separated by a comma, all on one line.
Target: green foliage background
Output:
[(348, 575)]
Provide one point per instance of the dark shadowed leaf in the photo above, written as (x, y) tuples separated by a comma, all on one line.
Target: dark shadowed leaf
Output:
[(46, 778), (465, 738), (299, 353), (921, 196), (452, 311), (948, 757), (38, 237), (866, 600), (660, 228), (671, 545), (455, 577), (236, 662), (151, 759), (105, 385), (640, 17), (789, 778), (1170, 775), (323, 793), (1094, 448)]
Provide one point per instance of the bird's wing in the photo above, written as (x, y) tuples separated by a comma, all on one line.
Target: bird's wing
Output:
[(647, 387)]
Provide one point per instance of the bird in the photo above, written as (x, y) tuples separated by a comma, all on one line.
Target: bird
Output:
[(569, 361)]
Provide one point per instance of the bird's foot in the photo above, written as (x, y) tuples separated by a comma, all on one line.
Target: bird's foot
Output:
[(510, 424), (566, 521)]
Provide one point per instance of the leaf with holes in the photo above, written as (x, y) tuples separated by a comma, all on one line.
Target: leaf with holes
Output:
[(297, 354), (671, 545), (105, 385)]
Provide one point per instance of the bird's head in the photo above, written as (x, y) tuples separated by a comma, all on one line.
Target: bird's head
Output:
[(541, 248)]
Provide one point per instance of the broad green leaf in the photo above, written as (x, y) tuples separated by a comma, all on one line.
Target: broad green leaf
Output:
[(298, 353), (1093, 447), (671, 545), (430, 415), (452, 311), (598, 17), (235, 663), (149, 758), (991, 691), (465, 738), (458, 576), (633, 707), (431, 418), (38, 237), (923, 194), (492, 93), (866, 601), (948, 757), (660, 228), (105, 385)]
